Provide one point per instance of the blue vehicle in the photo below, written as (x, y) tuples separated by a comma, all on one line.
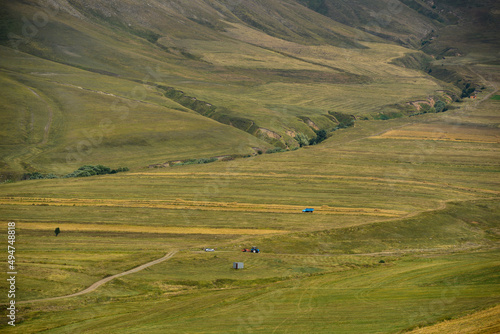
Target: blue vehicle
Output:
[(253, 250), (308, 210)]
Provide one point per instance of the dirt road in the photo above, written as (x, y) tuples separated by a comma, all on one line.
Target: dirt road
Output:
[(97, 284)]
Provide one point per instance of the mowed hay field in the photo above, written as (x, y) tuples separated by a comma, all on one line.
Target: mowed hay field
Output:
[(446, 132), (405, 229), (473, 124), (427, 208), (357, 297), (480, 322)]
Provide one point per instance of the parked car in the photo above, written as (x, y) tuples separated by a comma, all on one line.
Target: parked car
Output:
[(209, 250)]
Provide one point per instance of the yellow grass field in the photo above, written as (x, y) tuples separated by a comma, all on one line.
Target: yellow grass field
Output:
[(446, 132), (197, 205), (484, 322), (142, 229)]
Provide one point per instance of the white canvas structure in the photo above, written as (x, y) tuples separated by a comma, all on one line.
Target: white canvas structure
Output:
[(237, 265)]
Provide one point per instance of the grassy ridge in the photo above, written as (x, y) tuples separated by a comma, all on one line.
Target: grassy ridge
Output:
[(261, 81), (96, 123), (299, 276), (405, 229)]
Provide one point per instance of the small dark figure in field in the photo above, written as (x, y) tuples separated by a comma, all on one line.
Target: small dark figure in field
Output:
[(57, 231)]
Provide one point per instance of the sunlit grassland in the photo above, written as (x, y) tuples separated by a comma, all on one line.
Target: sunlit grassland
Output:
[(351, 171), (28, 125), (327, 276), (384, 297), (268, 85), (485, 321), (95, 123), (366, 82), (359, 174), (424, 256), (75, 259)]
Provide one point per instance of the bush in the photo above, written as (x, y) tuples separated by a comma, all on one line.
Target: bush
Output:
[(302, 139), (467, 91), (196, 161), (440, 106), (33, 176), (426, 108), (344, 120), (321, 135), (89, 170), (275, 150), (83, 171)]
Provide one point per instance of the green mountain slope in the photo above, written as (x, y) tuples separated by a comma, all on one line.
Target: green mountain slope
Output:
[(270, 71), (405, 22)]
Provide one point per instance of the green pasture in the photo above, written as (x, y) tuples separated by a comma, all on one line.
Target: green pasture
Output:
[(451, 250), (360, 297), (404, 233), (107, 109), (324, 274)]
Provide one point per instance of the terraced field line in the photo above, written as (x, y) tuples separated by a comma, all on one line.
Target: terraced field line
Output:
[(97, 284), (197, 205), (74, 227), (312, 176)]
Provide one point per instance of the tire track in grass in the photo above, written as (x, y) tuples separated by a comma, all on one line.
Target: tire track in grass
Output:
[(103, 281), (46, 129)]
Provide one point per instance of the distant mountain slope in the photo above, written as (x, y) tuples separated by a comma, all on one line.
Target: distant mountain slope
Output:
[(405, 21)]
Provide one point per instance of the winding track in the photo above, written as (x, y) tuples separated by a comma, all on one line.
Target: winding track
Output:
[(46, 129), (97, 284)]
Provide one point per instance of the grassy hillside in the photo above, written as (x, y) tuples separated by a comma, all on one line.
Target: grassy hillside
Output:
[(359, 182), (404, 235), (404, 22), (479, 322), (71, 117), (265, 79)]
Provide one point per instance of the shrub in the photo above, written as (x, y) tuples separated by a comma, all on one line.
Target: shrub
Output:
[(33, 176), (344, 120), (440, 106), (275, 150), (89, 170), (302, 139), (196, 161), (321, 135), (467, 90)]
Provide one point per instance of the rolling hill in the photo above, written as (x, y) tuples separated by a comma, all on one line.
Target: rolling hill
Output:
[(232, 116), (272, 70)]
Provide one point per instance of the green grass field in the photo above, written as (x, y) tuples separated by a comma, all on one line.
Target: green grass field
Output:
[(433, 221), (405, 232), (67, 107)]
